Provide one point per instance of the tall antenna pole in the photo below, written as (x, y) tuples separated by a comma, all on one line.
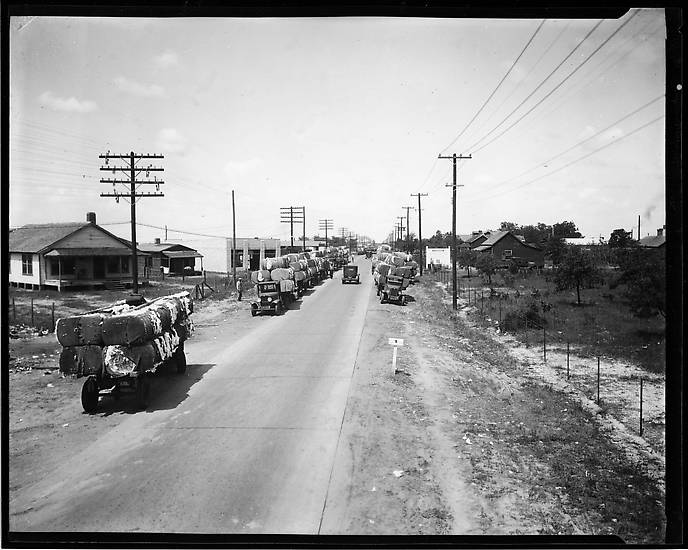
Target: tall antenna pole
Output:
[(453, 251), (420, 237), (132, 170), (233, 240)]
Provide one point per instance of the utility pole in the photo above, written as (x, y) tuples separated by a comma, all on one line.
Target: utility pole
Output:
[(291, 215), (233, 241), (420, 238), (453, 250), (408, 228), (326, 224), (401, 227), (132, 169)]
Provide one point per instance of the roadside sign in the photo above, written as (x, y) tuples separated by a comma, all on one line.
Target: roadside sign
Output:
[(396, 341)]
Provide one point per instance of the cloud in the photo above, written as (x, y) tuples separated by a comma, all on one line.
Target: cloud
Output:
[(138, 89), (70, 105), (241, 167), (166, 59), (170, 140)]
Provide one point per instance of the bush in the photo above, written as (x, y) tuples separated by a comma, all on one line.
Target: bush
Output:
[(515, 319)]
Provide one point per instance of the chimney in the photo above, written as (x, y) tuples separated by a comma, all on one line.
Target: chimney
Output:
[(157, 240), (660, 232), (91, 217)]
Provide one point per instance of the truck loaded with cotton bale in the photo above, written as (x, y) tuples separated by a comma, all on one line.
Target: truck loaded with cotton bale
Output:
[(392, 273), (118, 348)]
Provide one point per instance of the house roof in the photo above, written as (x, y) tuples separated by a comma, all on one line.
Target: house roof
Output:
[(497, 236), (164, 247), (653, 241), (35, 238)]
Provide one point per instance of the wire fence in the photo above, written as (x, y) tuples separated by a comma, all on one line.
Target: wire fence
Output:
[(630, 393)]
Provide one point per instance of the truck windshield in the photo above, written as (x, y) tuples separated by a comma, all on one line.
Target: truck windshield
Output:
[(267, 287)]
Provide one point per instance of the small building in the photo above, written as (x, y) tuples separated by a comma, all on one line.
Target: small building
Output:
[(654, 241), (249, 253), (62, 255), (505, 247), (473, 240), (438, 257), (171, 258)]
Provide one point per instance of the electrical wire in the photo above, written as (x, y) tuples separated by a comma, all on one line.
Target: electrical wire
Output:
[(575, 161), (560, 83), (530, 40)]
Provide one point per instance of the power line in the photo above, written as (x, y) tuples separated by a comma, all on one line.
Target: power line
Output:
[(542, 83), (596, 134), (498, 85), (570, 163), (560, 83)]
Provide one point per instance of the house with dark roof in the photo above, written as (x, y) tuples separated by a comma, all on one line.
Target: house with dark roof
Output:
[(62, 255), (654, 241), (473, 240), (173, 258), (505, 247)]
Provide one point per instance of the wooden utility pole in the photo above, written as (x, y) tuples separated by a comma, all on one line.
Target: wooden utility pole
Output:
[(291, 215), (453, 250), (420, 237), (408, 228), (326, 224), (132, 169), (401, 227), (233, 241)]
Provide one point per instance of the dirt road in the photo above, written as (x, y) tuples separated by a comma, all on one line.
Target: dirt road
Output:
[(298, 424)]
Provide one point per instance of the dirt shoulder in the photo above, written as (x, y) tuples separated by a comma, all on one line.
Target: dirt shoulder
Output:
[(462, 441)]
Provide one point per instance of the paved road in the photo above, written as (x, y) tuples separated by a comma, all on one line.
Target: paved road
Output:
[(250, 449)]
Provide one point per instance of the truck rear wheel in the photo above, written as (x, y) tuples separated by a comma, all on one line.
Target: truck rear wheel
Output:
[(143, 391), (180, 360), (89, 395)]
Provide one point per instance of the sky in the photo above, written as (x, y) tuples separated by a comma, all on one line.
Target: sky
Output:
[(346, 116)]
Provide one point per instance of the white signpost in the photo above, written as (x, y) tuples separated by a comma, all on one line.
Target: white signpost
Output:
[(396, 342)]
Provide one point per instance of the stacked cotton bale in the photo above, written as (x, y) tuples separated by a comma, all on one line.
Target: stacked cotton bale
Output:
[(124, 339)]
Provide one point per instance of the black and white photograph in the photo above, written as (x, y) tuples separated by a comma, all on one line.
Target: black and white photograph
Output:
[(348, 275)]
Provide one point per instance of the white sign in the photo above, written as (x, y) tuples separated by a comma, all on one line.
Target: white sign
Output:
[(396, 341)]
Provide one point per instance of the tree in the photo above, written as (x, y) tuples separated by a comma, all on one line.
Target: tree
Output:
[(620, 238), (555, 247), (439, 240), (467, 258), (565, 230), (487, 265), (577, 268), (509, 226), (644, 274)]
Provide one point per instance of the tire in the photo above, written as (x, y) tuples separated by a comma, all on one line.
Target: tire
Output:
[(180, 360), (382, 298), (89, 395), (253, 313), (143, 391)]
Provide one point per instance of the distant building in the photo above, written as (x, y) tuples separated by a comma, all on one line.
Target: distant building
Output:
[(171, 258), (440, 257), (654, 241), (473, 240), (63, 255), (249, 253), (505, 247)]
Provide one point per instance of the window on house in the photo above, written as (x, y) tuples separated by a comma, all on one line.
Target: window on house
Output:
[(507, 254), (124, 263), (27, 264)]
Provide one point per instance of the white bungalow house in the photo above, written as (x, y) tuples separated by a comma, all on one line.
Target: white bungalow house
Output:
[(61, 255)]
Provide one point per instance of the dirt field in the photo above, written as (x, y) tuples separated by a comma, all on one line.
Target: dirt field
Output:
[(471, 436)]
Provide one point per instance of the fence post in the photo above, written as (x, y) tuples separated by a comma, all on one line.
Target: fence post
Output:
[(53, 315), (598, 379), (500, 310), (32, 311), (14, 310), (527, 343), (568, 372), (544, 343), (482, 301), (641, 407)]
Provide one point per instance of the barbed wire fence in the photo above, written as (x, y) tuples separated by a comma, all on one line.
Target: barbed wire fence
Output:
[(536, 322)]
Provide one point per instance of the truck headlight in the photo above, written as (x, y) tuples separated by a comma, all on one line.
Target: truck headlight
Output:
[(269, 299)]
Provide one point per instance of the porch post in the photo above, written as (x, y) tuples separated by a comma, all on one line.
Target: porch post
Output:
[(59, 274)]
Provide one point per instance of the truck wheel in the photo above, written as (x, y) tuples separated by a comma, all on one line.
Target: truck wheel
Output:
[(89, 395), (253, 312), (180, 360), (382, 298), (143, 391)]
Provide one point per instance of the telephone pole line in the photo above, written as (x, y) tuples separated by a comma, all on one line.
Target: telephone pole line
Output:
[(292, 215), (233, 241), (420, 237), (130, 166), (401, 227), (408, 228), (453, 250), (326, 224)]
